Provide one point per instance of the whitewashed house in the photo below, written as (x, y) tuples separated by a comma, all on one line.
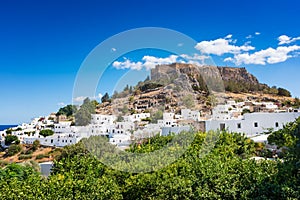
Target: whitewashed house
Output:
[(122, 128), (188, 114), (136, 117), (63, 127), (103, 119), (168, 120), (119, 139), (101, 124), (252, 123)]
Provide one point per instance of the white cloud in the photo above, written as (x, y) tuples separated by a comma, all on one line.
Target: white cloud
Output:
[(113, 49), (222, 46), (249, 37), (79, 99), (148, 62), (127, 64), (194, 59), (151, 61), (257, 33), (100, 95), (180, 44), (61, 104), (228, 36), (229, 59), (284, 39), (265, 56)]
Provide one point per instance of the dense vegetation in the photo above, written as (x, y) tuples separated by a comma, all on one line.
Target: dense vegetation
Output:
[(83, 115), (9, 139), (68, 110), (46, 132), (238, 87), (226, 172)]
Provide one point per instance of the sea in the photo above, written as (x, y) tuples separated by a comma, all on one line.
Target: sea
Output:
[(3, 127)]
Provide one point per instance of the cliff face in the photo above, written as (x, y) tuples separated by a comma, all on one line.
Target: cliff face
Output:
[(216, 78), (237, 74)]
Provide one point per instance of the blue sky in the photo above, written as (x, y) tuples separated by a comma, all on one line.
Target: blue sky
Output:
[(43, 43)]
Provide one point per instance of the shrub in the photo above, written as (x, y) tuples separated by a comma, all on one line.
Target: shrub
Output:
[(3, 163), (41, 156), (35, 145), (284, 92), (147, 119), (9, 139), (46, 132), (13, 149), (28, 152), (25, 157)]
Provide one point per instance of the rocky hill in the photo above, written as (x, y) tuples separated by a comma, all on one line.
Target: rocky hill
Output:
[(175, 86), (237, 74)]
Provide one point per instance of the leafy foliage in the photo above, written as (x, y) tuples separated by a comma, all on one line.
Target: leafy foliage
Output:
[(242, 86), (105, 98), (288, 137), (224, 173), (13, 149), (9, 139), (188, 101), (83, 115), (46, 132), (157, 115), (284, 92), (149, 86), (35, 145), (68, 110)]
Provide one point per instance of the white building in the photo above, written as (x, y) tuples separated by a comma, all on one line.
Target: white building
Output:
[(176, 130), (252, 123), (119, 139), (150, 130), (188, 114), (122, 128), (63, 127), (103, 119), (168, 120), (136, 117)]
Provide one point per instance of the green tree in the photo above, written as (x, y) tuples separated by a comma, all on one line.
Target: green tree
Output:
[(284, 92), (106, 98), (124, 110), (157, 115), (83, 115), (9, 139), (13, 149), (35, 145), (46, 132), (68, 110), (188, 101)]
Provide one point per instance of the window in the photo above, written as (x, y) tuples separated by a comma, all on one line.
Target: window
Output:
[(255, 124), (276, 124), (51, 141), (239, 125), (222, 126)]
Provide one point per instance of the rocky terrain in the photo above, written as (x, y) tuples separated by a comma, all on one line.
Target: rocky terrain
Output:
[(175, 86)]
